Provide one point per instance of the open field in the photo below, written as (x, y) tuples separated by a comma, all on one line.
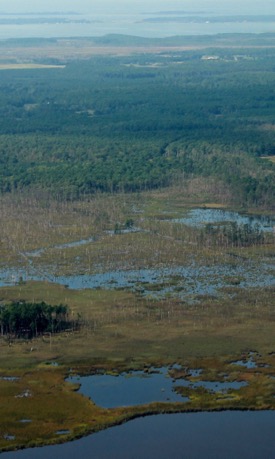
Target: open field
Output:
[(67, 49), (270, 158), (120, 324)]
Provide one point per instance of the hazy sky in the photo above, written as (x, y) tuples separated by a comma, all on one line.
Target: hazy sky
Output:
[(142, 5)]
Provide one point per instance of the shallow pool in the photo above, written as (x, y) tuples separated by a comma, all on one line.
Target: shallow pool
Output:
[(139, 387), (128, 389), (200, 217), (181, 281)]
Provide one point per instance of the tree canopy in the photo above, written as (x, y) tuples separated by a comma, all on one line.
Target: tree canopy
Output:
[(25, 319), (138, 122)]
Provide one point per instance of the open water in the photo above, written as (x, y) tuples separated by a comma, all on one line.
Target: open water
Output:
[(142, 18), (220, 435)]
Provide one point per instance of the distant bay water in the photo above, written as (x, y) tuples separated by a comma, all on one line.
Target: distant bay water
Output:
[(149, 24)]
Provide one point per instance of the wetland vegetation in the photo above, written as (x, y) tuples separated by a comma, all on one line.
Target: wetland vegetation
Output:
[(139, 195)]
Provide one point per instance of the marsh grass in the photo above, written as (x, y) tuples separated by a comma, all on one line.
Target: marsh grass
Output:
[(30, 223), (54, 405), (123, 329), (121, 323)]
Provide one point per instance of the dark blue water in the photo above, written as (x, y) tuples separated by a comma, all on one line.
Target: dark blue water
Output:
[(223, 435), (137, 387), (128, 389)]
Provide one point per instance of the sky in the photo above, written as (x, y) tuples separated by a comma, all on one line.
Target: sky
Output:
[(88, 6)]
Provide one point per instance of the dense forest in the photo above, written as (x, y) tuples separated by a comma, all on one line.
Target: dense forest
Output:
[(140, 122), (24, 319)]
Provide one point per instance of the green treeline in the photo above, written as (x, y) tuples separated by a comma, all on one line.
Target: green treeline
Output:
[(141, 122), (32, 319)]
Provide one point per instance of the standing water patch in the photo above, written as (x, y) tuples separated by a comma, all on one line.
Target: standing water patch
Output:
[(128, 389), (202, 217), (139, 387)]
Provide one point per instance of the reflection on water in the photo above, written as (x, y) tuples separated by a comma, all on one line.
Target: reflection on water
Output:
[(220, 435)]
